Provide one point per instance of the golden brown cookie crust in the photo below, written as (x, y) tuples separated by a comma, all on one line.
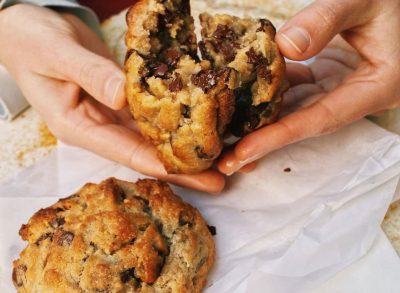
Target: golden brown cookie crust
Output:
[(141, 238)]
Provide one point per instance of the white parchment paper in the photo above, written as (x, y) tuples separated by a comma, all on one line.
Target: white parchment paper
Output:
[(276, 231)]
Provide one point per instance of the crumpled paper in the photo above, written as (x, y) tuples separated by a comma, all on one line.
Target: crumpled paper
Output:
[(277, 231)]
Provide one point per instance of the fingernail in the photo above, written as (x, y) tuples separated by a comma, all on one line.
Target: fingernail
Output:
[(298, 38), (114, 89), (249, 160)]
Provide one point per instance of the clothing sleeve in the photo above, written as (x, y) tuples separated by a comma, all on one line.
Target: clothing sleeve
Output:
[(12, 102)]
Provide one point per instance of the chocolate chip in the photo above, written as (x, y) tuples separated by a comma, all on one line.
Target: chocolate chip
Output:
[(65, 238), (160, 70), (172, 56), (127, 275), (255, 58), (213, 230), (205, 79), (224, 32), (18, 275), (128, 54), (185, 110), (287, 170), (185, 218), (202, 155), (176, 85), (264, 25), (203, 46), (57, 222), (145, 203), (43, 237), (228, 51), (265, 73)]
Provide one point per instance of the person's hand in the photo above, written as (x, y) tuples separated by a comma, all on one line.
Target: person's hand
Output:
[(347, 82), (60, 64)]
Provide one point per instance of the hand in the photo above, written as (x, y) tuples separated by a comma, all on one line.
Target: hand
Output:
[(53, 57), (349, 80)]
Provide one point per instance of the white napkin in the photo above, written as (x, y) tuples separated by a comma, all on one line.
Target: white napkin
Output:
[(280, 232), (12, 102)]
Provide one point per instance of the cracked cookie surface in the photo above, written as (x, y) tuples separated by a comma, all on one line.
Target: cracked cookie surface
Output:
[(116, 237)]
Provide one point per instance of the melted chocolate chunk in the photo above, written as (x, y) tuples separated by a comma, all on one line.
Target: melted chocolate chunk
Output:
[(213, 230), (172, 56), (265, 73), (176, 85), (43, 237), (57, 222), (185, 110), (287, 170), (228, 51), (18, 275), (204, 50), (264, 25), (146, 204), (255, 58), (160, 70), (205, 79), (246, 115), (65, 238), (127, 275), (224, 32)]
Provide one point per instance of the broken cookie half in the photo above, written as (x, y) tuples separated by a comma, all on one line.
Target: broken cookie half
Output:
[(185, 105)]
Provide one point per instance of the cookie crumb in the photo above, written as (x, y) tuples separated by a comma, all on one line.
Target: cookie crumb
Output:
[(287, 170)]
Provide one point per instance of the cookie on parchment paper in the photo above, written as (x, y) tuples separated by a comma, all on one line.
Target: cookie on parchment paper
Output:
[(114, 237)]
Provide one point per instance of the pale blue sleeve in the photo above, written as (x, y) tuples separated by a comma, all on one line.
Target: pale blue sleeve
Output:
[(84, 13)]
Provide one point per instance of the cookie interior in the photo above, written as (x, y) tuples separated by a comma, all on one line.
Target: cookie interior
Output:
[(181, 104), (246, 45), (185, 105)]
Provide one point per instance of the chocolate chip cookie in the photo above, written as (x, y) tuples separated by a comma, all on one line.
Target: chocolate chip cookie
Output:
[(185, 105), (116, 237)]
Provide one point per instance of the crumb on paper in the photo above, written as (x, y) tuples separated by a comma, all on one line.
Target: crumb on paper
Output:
[(287, 170)]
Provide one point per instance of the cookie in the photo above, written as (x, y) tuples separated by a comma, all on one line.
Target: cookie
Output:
[(247, 45), (116, 237), (185, 105), (180, 103)]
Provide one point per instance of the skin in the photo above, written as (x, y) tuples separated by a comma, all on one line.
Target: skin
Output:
[(68, 76), (356, 73)]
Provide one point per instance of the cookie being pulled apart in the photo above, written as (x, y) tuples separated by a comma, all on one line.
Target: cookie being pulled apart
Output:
[(185, 105), (116, 237)]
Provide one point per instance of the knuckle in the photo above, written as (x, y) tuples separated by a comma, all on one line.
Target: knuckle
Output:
[(327, 13)]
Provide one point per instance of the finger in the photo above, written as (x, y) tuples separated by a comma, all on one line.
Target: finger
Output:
[(248, 168), (297, 73), (129, 148), (100, 77), (326, 115), (86, 127), (313, 28)]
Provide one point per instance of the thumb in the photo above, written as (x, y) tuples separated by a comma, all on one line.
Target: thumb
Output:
[(307, 33), (100, 77)]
